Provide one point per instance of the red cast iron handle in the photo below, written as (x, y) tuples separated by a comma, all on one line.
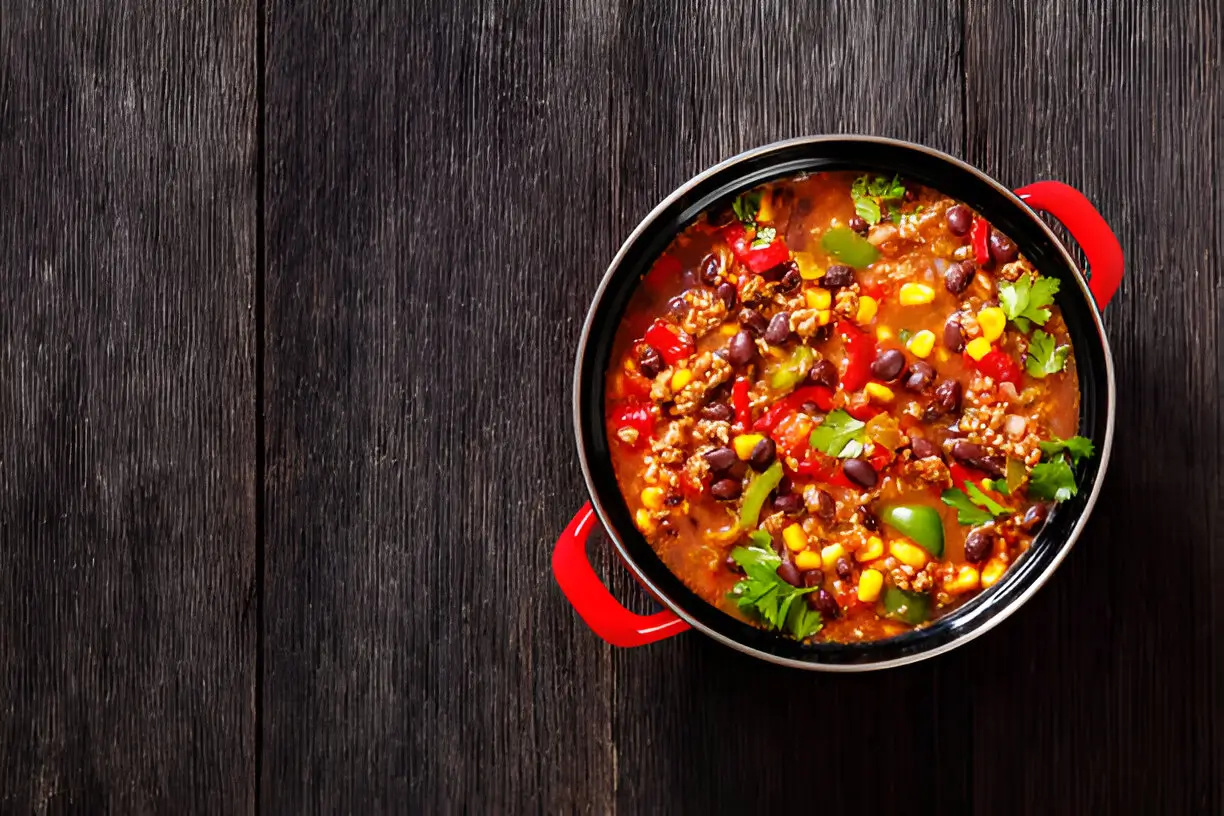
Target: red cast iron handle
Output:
[(1087, 227), (587, 594)]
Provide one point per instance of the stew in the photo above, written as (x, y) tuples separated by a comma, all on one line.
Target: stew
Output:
[(842, 405)]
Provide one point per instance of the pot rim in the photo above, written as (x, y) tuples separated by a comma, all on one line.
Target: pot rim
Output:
[(962, 637)]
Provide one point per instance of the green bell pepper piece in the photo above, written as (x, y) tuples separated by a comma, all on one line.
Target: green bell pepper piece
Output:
[(919, 523), (848, 246), (908, 607), (792, 370), (759, 488)]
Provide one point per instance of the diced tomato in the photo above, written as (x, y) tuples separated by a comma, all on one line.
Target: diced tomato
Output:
[(672, 343), (758, 259), (880, 458), (638, 415), (818, 394), (634, 385), (875, 289), (998, 366), (863, 411)]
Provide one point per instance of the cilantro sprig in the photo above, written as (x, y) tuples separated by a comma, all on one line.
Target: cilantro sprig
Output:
[(1080, 447), (1052, 479), (972, 505), (871, 194), (1025, 301), (763, 594), (840, 435), (764, 237), (746, 207), (1045, 356)]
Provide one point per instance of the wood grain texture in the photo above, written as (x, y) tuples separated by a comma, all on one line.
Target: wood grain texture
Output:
[(127, 249), (1104, 694)]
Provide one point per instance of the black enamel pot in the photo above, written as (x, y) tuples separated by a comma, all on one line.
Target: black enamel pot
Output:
[(1015, 213)]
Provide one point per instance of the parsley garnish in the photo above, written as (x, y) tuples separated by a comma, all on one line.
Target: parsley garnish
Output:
[(1045, 357), (747, 206), (764, 237), (1080, 447), (763, 594), (1052, 480), (972, 505), (869, 193), (1025, 300), (840, 435)]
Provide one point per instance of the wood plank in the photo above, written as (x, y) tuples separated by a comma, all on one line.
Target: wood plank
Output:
[(699, 728), (127, 521), (438, 209), (1104, 694)]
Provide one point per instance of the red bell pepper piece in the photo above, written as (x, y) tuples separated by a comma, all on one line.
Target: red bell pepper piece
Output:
[(860, 354), (874, 289), (998, 366), (635, 385), (760, 259), (980, 236), (740, 403), (880, 458), (637, 415), (863, 411), (818, 394), (674, 345), (963, 473)]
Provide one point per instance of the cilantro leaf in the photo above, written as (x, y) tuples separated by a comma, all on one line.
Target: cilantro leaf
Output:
[(746, 206), (1024, 300), (966, 511), (764, 237), (869, 193), (1044, 356), (763, 594), (867, 209), (840, 435), (1080, 447), (985, 502), (1052, 481)]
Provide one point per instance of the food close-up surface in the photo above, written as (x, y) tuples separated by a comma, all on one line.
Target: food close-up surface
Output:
[(841, 405)]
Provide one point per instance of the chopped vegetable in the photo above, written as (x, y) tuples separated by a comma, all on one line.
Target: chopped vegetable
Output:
[(830, 554), (740, 403), (867, 309), (680, 378), (1044, 357), (756, 258), (765, 595), (849, 247), (652, 498), (746, 207), (873, 549), (918, 522), (908, 607), (744, 443), (871, 581), (807, 560), (1026, 301), (915, 294), (979, 237), (758, 490), (764, 237), (1080, 447), (997, 365), (1015, 476), (818, 298), (790, 372), (922, 344), (672, 343), (860, 354), (840, 435), (879, 392), (992, 320), (637, 415), (973, 507), (992, 572), (1053, 481), (868, 194), (818, 394), (795, 538), (977, 348)]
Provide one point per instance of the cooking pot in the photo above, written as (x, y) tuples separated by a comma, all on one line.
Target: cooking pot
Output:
[(1080, 298)]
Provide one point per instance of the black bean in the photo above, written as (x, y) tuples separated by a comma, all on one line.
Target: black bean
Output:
[(789, 573), (967, 451), (813, 577), (731, 564), (844, 568), (823, 602), (1035, 517), (776, 273), (717, 412), (953, 337), (753, 321), (721, 459), (922, 448), (947, 397), (995, 466), (763, 454), (791, 280), (920, 376), (742, 349), (790, 504), (674, 500), (726, 489), (689, 279), (826, 508), (960, 220), (739, 470), (978, 545), (888, 365), (957, 278), (710, 269), (650, 362), (837, 276), (1002, 249), (823, 373), (868, 520), (678, 306), (778, 330), (727, 294), (858, 224), (861, 473)]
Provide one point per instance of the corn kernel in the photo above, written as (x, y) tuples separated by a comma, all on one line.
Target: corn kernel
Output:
[(795, 538), (992, 572), (879, 393), (643, 520), (873, 549), (653, 497), (733, 278), (915, 294), (765, 211), (922, 344), (977, 348), (744, 443), (830, 554), (729, 329), (824, 317), (808, 270), (681, 378), (965, 580), (807, 560), (907, 552), (870, 584), (884, 333), (818, 298), (868, 306), (992, 320)]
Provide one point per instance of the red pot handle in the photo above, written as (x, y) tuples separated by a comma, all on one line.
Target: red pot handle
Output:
[(587, 594), (1087, 227)]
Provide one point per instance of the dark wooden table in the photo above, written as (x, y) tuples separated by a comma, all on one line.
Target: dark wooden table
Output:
[(290, 299)]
